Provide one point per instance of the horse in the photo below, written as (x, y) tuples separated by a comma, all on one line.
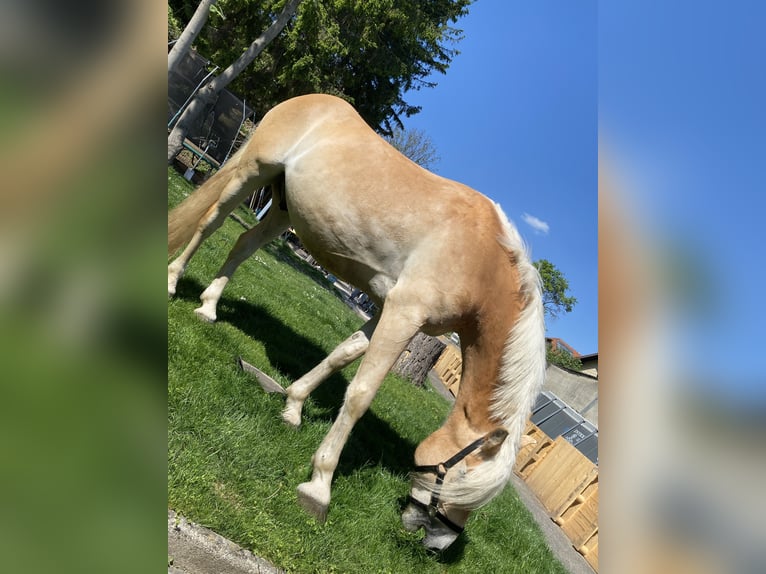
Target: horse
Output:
[(434, 255)]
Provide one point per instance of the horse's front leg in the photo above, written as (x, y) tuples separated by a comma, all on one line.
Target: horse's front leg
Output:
[(343, 355), (388, 341), (275, 222)]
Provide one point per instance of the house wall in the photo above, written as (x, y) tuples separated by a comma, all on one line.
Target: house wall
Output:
[(578, 390), (590, 366)]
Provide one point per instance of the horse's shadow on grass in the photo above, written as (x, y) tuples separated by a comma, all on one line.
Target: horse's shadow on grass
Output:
[(293, 355)]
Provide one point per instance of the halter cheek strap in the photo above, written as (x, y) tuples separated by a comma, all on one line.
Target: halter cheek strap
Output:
[(441, 516), (440, 470), (449, 463)]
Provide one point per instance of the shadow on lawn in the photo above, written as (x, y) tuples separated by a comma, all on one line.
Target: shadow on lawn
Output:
[(293, 355), (284, 253)]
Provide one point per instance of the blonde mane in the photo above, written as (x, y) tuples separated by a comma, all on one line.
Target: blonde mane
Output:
[(520, 378)]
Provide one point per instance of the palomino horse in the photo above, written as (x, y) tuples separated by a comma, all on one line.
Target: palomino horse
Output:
[(433, 254)]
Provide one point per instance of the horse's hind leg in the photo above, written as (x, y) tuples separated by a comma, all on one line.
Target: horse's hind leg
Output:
[(178, 265), (344, 354), (275, 222), (232, 191)]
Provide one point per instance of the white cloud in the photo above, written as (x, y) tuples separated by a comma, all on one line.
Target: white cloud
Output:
[(538, 225)]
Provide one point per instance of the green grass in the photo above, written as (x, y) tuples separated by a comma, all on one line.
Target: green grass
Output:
[(233, 466)]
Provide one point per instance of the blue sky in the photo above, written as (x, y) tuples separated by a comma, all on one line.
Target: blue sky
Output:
[(515, 117), (682, 104)]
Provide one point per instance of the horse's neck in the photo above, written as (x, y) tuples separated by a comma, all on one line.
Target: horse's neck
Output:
[(482, 354), (471, 417)]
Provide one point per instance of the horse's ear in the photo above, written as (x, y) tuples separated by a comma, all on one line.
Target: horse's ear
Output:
[(493, 442)]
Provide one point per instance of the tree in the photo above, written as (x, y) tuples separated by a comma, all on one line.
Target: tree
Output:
[(208, 94), (555, 302), (555, 287), (192, 30), (368, 53), (416, 145), (417, 360), (174, 26), (563, 359)]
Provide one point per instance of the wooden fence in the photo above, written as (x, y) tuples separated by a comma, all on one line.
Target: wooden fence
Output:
[(449, 366), (566, 483)]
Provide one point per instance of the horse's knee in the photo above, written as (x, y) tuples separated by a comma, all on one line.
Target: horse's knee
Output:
[(355, 347), (358, 400)]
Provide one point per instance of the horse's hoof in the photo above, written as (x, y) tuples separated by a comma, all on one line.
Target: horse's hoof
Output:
[(291, 414), (292, 419), (204, 315), (314, 500)]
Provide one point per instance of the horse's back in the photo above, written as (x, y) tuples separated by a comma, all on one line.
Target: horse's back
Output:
[(368, 213), (290, 126)]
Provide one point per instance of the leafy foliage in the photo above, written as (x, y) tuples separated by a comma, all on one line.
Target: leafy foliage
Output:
[(174, 26), (555, 288), (368, 52), (563, 359)]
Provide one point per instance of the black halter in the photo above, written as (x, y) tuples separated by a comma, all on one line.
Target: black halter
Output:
[(440, 470)]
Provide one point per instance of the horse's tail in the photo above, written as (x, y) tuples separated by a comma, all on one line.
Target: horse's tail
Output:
[(185, 218)]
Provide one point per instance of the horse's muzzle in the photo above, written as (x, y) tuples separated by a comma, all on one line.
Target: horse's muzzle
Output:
[(438, 536)]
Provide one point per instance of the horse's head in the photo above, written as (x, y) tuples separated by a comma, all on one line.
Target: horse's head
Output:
[(444, 493)]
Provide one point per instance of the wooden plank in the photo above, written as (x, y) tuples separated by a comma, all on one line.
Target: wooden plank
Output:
[(588, 490), (580, 521), (537, 454), (199, 152), (449, 368), (561, 475), (535, 440), (589, 550), (566, 483)]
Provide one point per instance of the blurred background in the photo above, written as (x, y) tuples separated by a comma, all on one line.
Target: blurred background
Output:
[(82, 322), (681, 123)]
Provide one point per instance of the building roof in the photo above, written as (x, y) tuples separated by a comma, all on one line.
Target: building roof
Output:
[(555, 342)]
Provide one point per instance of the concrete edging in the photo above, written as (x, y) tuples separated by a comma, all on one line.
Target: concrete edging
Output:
[(195, 549)]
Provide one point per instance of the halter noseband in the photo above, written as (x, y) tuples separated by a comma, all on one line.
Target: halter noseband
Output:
[(440, 470)]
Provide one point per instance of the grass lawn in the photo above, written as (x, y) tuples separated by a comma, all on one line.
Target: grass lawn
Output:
[(233, 466)]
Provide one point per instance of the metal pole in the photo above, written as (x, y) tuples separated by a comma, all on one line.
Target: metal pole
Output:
[(183, 107), (233, 141), (263, 211)]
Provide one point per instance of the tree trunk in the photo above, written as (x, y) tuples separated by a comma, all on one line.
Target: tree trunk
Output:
[(210, 92), (419, 358), (189, 34)]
